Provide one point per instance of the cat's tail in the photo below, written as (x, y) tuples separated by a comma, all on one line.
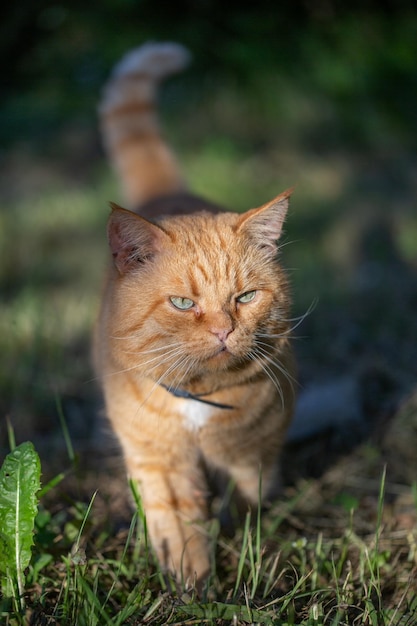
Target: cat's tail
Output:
[(144, 163)]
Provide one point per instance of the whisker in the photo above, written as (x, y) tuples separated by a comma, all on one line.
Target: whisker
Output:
[(161, 359), (166, 357), (153, 350), (273, 378), (275, 362), (186, 362), (125, 337), (299, 320), (159, 382)]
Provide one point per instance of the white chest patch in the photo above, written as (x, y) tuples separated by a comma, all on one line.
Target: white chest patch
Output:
[(196, 414)]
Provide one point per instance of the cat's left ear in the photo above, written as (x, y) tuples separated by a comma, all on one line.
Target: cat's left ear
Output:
[(133, 240), (264, 224)]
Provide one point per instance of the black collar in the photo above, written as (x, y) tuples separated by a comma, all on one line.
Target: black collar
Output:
[(181, 393)]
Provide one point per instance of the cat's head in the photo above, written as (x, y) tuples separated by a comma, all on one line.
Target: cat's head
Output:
[(198, 294)]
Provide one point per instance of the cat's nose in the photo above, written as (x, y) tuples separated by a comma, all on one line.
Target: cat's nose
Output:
[(220, 324), (221, 333)]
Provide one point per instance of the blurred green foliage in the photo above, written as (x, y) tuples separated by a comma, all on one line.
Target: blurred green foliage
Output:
[(356, 60)]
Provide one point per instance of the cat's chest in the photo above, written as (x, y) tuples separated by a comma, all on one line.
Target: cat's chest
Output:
[(196, 414)]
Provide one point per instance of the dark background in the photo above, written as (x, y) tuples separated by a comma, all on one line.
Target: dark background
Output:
[(55, 56)]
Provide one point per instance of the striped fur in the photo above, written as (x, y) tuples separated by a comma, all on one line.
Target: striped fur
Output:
[(129, 123), (229, 340)]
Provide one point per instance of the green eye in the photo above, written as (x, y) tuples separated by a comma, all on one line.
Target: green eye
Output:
[(183, 304), (246, 297)]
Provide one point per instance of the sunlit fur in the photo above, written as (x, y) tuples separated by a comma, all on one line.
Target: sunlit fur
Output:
[(237, 353)]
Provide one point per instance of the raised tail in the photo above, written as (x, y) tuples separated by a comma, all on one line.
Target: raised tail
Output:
[(145, 165)]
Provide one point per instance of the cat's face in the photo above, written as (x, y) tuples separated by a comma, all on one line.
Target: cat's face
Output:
[(197, 294)]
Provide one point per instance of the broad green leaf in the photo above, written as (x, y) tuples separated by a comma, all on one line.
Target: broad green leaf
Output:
[(19, 484)]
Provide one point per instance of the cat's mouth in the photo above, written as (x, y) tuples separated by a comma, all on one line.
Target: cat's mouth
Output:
[(222, 352)]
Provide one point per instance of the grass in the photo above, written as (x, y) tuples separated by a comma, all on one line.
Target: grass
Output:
[(280, 569), (340, 546)]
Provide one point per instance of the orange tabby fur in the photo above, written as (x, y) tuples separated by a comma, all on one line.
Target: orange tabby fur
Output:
[(230, 340)]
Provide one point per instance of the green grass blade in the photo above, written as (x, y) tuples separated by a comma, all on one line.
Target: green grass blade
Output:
[(95, 610), (10, 432), (65, 431), (243, 553), (51, 484), (230, 612)]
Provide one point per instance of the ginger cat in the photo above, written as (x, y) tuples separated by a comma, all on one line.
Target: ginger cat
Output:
[(192, 343)]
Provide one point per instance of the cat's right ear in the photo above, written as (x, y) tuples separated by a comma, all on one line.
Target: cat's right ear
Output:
[(132, 239), (264, 224)]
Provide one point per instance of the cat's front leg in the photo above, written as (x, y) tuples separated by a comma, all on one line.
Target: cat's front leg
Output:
[(174, 501), (256, 483)]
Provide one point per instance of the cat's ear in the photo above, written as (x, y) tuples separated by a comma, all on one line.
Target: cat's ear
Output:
[(132, 239), (264, 224)]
